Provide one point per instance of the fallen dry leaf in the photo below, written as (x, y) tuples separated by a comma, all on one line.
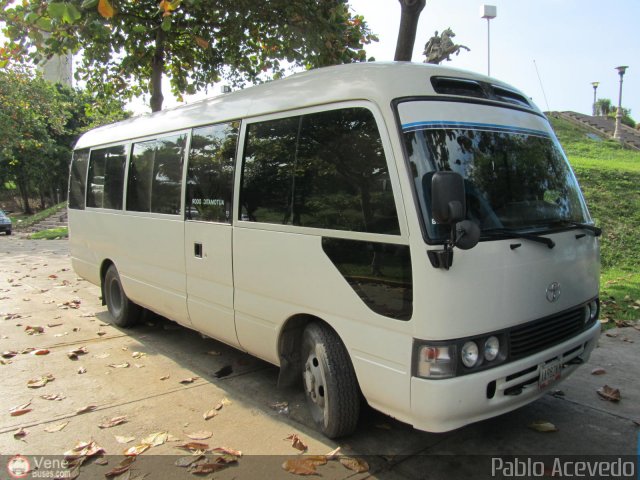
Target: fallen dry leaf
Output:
[(165, 377), (56, 428), (53, 396), (543, 426), (40, 351), (138, 355), (609, 393), (186, 381), (203, 467), (20, 410), (304, 465), (137, 449), (155, 439), (82, 370), (20, 434), (200, 435), (87, 409), (113, 422), (120, 365), (73, 354), (333, 453), (122, 439), (194, 446), (598, 371), (34, 330), (209, 414), (51, 325), (121, 468), (83, 449), (9, 354), (356, 464), (296, 442), (40, 381), (228, 451)]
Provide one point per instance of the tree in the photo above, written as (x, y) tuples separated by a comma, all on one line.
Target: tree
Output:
[(409, 17), (603, 106), (45, 120), (128, 46)]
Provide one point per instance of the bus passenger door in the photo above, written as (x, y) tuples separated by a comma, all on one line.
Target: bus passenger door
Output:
[(208, 231), (210, 280)]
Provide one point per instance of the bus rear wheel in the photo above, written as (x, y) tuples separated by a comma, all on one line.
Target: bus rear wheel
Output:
[(329, 382), (123, 311)]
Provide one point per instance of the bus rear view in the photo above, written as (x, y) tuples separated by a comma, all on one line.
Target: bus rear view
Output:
[(410, 234)]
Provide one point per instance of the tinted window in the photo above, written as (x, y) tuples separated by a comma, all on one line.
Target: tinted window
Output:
[(210, 173), (106, 177), (78, 179), (155, 175), (323, 170)]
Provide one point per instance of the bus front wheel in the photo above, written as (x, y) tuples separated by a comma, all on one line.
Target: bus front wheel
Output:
[(329, 381), (123, 311)]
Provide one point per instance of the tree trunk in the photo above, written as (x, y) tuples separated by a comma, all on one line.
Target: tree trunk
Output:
[(24, 193), (411, 10), (157, 69)]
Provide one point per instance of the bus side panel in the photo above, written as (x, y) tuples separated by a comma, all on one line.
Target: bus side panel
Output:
[(152, 269), (278, 275), (147, 251), (83, 260)]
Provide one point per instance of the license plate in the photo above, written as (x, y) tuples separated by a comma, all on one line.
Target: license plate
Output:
[(549, 373)]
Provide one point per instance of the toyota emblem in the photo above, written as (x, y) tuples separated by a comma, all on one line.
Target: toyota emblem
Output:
[(553, 292)]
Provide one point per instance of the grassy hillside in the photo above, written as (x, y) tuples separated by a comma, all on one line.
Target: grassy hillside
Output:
[(610, 179)]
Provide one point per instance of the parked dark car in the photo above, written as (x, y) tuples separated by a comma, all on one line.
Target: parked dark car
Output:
[(5, 223)]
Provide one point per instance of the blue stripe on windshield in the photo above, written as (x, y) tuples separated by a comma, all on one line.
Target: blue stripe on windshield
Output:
[(445, 124)]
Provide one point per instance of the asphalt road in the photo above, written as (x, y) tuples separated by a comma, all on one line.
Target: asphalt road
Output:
[(137, 374)]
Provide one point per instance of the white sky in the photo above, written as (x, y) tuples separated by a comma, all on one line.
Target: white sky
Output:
[(573, 43)]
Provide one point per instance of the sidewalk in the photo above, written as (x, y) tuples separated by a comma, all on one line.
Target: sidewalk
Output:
[(38, 289)]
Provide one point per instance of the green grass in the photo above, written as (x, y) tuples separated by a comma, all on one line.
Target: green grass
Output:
[(51, 234), (609, 176), (25, 221)]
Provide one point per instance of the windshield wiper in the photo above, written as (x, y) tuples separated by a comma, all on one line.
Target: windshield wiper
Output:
[(505, 233), (585, 226)]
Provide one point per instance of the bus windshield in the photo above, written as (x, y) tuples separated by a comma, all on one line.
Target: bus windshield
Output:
[(515, 179)]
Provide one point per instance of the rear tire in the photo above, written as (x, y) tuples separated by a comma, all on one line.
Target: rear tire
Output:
[(330, 382), (123, 311)]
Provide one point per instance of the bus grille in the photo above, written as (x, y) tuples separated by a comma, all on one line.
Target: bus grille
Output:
[(541, 334)]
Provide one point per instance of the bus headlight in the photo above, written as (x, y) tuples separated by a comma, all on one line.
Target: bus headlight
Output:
[(436, 361), (491, 348), (469, 354)]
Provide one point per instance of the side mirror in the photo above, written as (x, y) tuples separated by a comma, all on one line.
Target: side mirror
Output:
[(448, 205)]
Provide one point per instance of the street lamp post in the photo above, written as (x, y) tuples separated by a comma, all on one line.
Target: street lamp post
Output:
[(617, 133), (488, 12), (595, 87)]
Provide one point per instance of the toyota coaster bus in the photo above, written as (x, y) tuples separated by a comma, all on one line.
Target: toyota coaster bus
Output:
[(406, 233)]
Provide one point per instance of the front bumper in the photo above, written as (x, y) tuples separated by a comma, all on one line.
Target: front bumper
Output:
[(5, 227), (443, 405)]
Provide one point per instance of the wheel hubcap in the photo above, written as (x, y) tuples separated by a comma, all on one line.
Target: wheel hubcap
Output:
[(115, 298), (314, 381)]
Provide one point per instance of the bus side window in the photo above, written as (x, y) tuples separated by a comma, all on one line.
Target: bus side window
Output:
[(155, 175), (321, 170), (209, 191), (78, 179), (106, 177)]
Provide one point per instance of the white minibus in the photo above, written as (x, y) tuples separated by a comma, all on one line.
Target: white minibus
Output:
[(404, 233)]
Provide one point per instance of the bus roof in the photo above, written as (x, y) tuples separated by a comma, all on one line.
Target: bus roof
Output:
[(379, 82)]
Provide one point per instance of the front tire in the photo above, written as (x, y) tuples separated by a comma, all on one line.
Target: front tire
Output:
[(123, 311), (330, 382)]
